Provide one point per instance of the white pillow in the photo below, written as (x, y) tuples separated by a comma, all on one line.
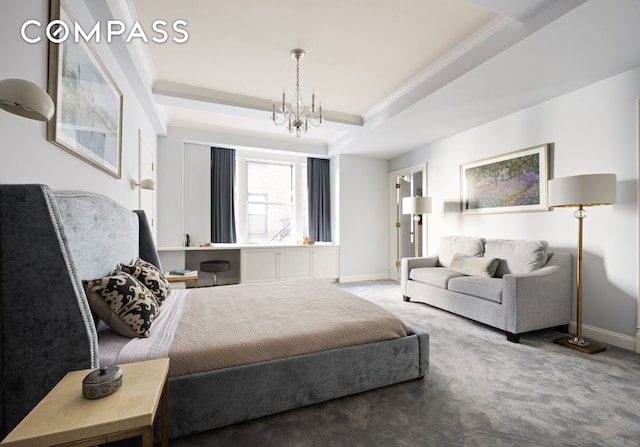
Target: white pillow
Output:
[(516, 256), (450, 245), (474, 265)]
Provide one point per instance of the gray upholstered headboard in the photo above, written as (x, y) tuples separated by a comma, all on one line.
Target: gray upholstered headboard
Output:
[(49, 242)]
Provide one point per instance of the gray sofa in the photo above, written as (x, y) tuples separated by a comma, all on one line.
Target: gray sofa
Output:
[(513, 285)]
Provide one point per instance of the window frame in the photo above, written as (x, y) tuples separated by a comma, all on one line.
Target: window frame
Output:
[(299, 193)]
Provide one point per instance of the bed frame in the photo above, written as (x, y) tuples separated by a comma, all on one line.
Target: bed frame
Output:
[(50, 241)]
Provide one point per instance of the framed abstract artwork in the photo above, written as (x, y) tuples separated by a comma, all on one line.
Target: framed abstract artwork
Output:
[(512, 182), (88, 117)]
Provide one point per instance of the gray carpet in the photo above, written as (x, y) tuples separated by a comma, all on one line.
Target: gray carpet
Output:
[(481, 391)]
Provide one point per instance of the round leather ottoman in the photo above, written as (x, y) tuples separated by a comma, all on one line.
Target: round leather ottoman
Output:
[(215, 267)]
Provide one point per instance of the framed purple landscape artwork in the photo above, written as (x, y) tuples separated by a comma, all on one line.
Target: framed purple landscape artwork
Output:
[(513, 182)]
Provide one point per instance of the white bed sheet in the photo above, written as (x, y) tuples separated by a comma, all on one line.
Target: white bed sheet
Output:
[(114, 349)]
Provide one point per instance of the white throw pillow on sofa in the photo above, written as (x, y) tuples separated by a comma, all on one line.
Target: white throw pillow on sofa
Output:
[(450, 245), (516, 256)]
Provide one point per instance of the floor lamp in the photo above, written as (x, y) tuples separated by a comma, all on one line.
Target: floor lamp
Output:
[(581, 191), (416, 205)]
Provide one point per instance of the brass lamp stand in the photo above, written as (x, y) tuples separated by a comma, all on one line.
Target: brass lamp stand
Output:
[(580, 191)]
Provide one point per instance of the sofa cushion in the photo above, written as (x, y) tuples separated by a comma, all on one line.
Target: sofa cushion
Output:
[(487, 288), (474, 265), (450, 245), (516, 256), (434, 276)]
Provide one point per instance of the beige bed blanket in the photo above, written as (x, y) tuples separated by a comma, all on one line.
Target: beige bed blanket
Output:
[(247, 323)]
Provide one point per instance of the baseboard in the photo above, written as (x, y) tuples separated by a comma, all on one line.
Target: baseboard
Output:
[(605, 336), (355, 278)]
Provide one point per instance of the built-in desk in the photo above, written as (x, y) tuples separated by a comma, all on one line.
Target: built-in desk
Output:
[(257, 262)]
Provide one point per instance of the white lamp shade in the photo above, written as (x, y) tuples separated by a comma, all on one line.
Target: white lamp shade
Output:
[(147, 183), (26, 99), (585, 190), (416, 205)]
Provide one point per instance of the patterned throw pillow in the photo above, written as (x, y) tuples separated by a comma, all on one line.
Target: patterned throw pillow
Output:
[(122, 302), (149, 275)]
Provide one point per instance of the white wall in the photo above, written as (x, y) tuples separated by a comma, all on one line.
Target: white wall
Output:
[(25, 154), (593, 130), (196, 216), (362, 217)]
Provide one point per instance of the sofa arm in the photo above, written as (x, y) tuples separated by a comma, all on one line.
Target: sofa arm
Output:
[(538, 299), (406, 264)]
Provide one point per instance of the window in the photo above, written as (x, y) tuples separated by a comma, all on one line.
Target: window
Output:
[(276, 200)]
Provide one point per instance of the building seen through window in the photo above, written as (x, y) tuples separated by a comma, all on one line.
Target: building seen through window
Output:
[(276, 208)]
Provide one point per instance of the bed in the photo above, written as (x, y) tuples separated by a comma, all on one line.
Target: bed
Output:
[(51, 241)]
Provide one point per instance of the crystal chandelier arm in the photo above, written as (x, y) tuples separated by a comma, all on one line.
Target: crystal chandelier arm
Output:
[(283, 113), (316, 118)]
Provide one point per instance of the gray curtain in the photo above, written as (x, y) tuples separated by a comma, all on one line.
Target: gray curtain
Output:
[(319, 193), (223, 177)]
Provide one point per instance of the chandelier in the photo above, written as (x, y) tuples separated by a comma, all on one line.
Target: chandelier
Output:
[(295, 114)]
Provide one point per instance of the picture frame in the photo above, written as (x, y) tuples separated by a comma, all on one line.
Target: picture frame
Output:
[(88, 117), (508, 183)]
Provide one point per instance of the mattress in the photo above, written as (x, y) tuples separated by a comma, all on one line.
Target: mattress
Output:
[(219, 327)]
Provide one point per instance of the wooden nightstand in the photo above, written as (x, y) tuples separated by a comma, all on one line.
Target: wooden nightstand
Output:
[(66, 418), (187, 277)]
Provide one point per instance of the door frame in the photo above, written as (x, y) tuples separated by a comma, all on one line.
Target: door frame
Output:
[(145, 153), (393, 268)]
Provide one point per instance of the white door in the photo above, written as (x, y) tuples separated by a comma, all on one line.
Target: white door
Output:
[(403, 183), (405, 232)]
